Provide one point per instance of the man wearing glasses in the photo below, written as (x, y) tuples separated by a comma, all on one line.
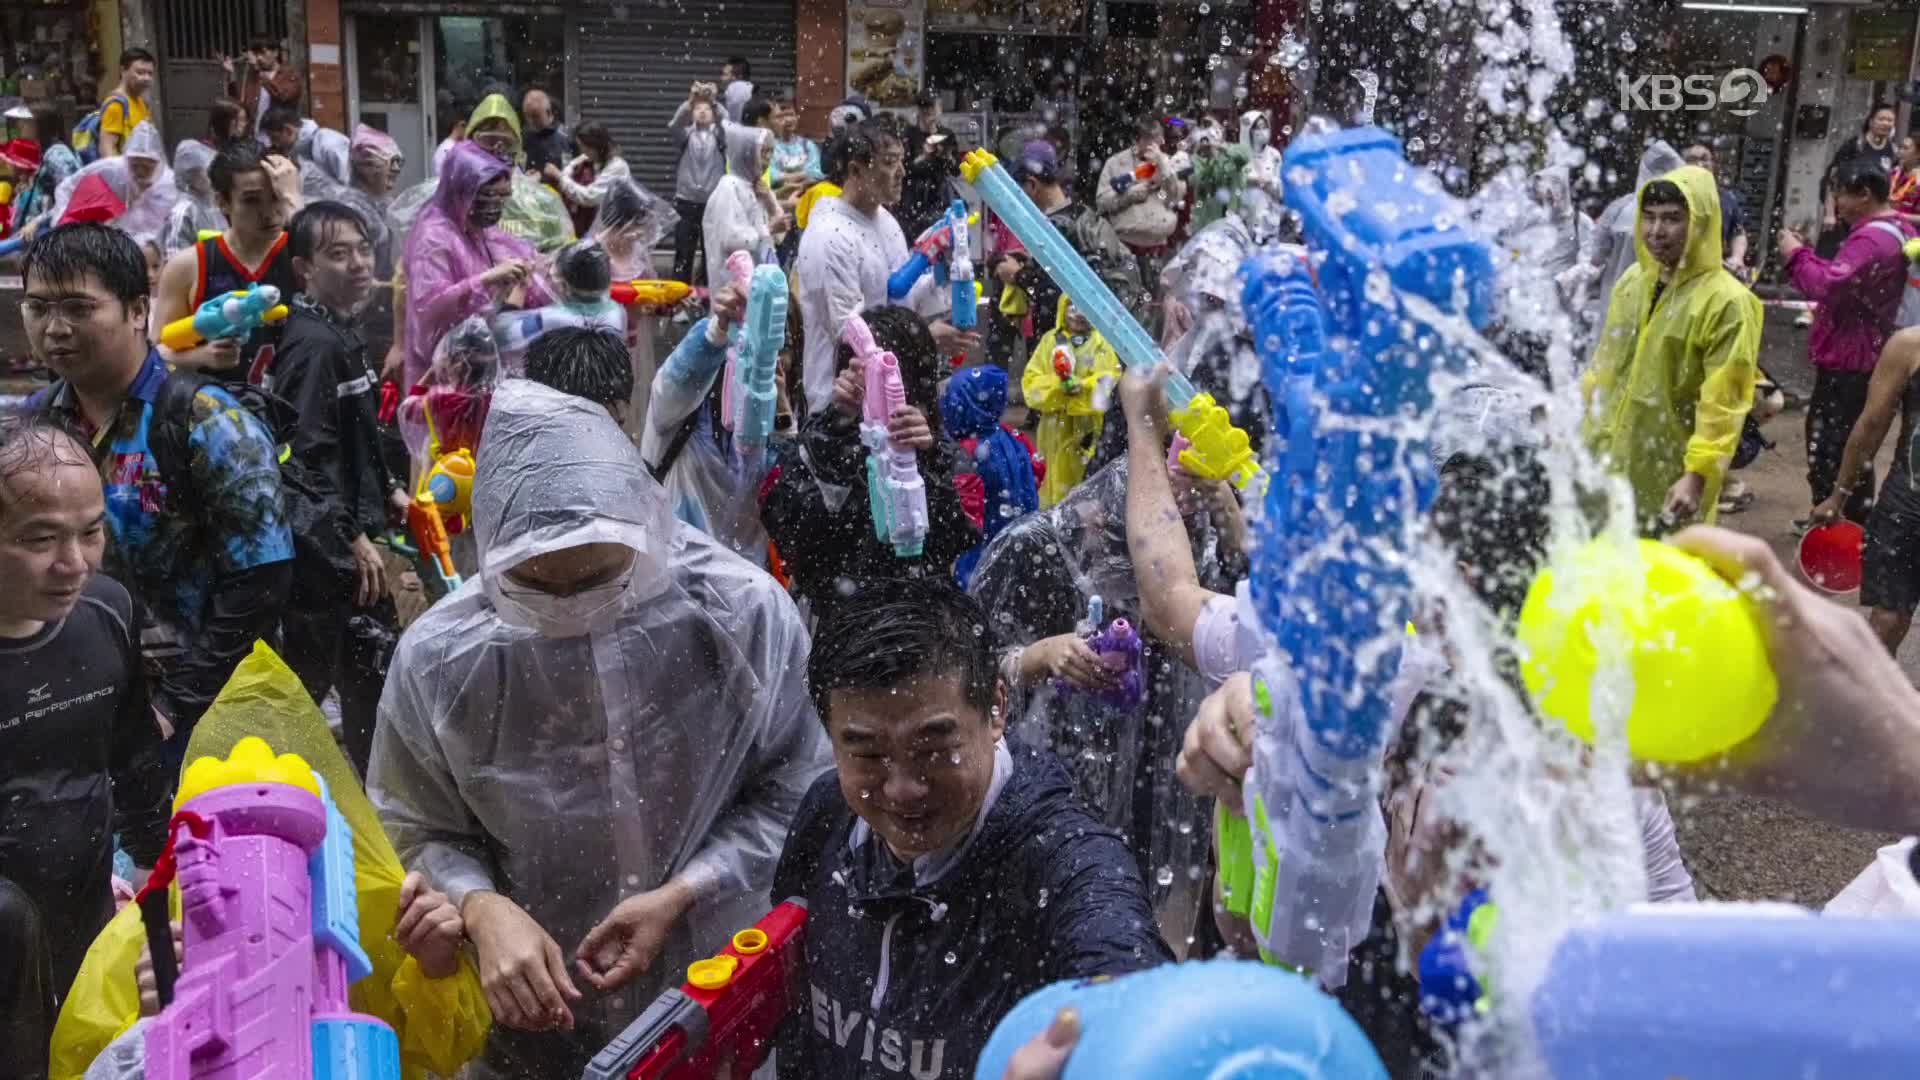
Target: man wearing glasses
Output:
[(193, 495)]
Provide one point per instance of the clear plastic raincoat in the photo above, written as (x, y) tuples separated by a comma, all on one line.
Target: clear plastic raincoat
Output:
[(1035, 581), (710, 484), (1672, 376), (195, 212), (147, 208), (535, 212), (735, 219), (629, 223), (446, 256), (674, 738)]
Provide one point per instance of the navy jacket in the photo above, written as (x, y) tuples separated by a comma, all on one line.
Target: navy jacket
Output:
[(910, 981)]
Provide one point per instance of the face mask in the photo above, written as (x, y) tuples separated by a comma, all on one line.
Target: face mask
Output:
[(585, 612), (1260, 137), (486, 215)]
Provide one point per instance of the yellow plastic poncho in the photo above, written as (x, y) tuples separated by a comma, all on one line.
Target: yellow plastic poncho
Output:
[(1069, 424), (534, 212), (442, 1023), (1672, 379)]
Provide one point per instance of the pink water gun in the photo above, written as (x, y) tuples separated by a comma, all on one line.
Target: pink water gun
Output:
[(896, 495)]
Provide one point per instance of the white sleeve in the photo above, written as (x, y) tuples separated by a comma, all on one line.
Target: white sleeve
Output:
[(1667, 877), (1216, 640)]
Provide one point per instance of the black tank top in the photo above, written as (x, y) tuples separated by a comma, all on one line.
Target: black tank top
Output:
[(1906, 453), (222, 272)]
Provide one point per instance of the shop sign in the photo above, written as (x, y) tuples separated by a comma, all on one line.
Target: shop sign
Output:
[(1882, 44)]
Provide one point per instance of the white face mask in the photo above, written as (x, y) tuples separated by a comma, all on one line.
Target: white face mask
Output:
[(586, 612), (1259, 136)]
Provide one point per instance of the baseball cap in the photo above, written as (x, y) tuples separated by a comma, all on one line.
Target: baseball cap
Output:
[(20, 112), (1039, 160)]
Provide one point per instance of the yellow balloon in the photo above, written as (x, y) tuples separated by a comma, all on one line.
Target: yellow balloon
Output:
[(1701, 679)]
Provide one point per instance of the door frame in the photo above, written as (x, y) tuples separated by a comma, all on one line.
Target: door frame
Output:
[(429, 115)]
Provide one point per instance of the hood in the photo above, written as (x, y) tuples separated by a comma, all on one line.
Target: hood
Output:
[(330, 152), (743, 148), (494, 107), (1656, 161), (373, 141), (1247, 120), (555, 471), (1552, 189), (975, 398), (93, 200), (145, 143), (191, 160), (629, 205), (467, 169), (1703, 224)]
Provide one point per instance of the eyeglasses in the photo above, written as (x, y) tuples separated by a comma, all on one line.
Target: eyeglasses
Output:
[(74, 310)]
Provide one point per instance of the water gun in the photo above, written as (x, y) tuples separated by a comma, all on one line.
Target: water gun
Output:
[(1063, 367), (445, 492), (1658, 992), (270, 922), (896, 494), (649, 292), (1347, 366), (721, 1022), (945, 247), (229, 315), (1192, 1021), (748, 399), (1220, 451)]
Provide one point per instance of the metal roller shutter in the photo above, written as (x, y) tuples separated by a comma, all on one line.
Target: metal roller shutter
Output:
[(630, 72)]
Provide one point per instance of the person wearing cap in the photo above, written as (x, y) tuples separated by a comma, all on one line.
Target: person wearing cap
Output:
[(933, 160), (1090, 233)]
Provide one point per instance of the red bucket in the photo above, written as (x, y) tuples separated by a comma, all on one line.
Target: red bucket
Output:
[(1830, 556)]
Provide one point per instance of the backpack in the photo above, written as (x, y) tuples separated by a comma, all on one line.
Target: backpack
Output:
[(85, 138), (1908, 313), (323, 530)]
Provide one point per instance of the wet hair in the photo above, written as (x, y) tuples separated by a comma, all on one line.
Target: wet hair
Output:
[(1148, 127), (280, 116), (308, 230), (894, 630), (758, 112), (586, 361), (584, 267), (833, 158), (263, 43), (135, 55), (594, 137), (901, 332), (29, 437), (862, 142), (1863, 178), (69, 253), (49, 125), (741, 69), (232, 161), (1663, 193), (925, 99), (221, 113)]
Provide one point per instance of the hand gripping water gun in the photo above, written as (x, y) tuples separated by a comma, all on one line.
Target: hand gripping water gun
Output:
[(1204, 1020), (445, 491), (649, 292), (1120, 650), (271, 930), (1347, 367), (1220, 451), (944, 246), (722, 1021), (895, 491), (748, 398), (229, 315)]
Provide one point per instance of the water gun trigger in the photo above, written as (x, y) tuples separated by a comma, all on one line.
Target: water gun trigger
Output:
[(1218, 450)]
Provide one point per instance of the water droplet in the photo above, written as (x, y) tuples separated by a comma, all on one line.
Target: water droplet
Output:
[(951, 957), (1627, 44), (1165, 876), (1043, 898)]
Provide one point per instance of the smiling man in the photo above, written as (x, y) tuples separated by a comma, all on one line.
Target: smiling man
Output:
[(76, 732), (946, 875)]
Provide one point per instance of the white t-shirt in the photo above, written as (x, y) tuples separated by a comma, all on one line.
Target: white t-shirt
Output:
[(1225, 643), (845, 258)]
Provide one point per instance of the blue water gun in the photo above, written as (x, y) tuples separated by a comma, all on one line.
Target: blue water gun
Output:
[(1218, 450), (230, 315), (755, 353), (1347, 365), (946, 248)]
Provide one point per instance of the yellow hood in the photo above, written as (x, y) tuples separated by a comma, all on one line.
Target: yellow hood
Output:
[(494, 107), (1703, 225)]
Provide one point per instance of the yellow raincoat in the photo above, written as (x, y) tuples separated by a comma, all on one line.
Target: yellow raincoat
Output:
[(1672, 379), (1069, 424), (442, 1023), (534, 212)]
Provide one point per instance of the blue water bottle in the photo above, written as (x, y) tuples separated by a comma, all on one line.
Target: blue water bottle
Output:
[(1217, 1020)]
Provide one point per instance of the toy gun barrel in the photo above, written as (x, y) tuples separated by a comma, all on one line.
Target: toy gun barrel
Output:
[(966, 304), (650, 292), (231, 315), (11, 246), (724, 1017), (762, 332), (901, 281), (430, 533)]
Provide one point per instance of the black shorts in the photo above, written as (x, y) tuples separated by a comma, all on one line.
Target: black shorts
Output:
[(1891, 564)]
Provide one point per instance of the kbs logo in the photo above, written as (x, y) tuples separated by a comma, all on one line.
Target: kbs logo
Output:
[(1741, 92)]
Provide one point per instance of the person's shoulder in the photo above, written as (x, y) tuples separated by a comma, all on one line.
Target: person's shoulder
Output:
[(726, 585), (109, 600)]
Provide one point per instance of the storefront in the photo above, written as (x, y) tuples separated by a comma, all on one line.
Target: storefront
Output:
[(415, 71), (190, 36)]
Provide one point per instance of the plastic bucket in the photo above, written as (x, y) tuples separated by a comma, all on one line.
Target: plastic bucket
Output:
[(1830, 557)]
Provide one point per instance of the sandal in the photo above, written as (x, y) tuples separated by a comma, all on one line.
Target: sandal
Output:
[(1736, 503)]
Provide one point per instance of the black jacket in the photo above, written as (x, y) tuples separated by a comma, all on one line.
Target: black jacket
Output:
[(910, 980), (1092, 236), (827, 546), (321, 370)]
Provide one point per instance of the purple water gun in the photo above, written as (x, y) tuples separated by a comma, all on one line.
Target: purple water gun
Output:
[(1120, 652), (270, 927)]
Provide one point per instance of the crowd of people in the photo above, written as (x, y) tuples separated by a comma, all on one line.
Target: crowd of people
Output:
[(685, 678)]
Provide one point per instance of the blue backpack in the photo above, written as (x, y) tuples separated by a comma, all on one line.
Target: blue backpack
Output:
[(86, 134)]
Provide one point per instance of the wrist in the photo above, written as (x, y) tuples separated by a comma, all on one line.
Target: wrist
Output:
[(680, 894)]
